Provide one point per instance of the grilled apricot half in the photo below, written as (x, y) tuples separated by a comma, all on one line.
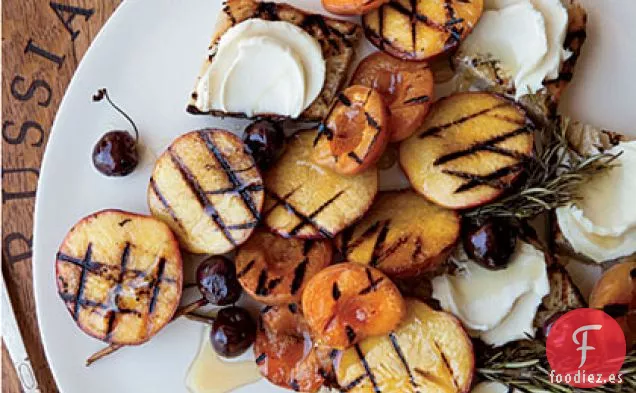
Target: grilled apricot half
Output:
[(403, 234), (470, 149), (345, 303), (207, 188), (421, 29), (351, 7), (305, 200), (285, 353), (120, 275), (406, 86), (355, 133), (429, 352), (274, 270)]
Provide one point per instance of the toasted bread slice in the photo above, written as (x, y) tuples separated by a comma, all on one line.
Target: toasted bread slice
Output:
[(307, 201), (469, 150), (403, 234), (421, 29), (585, 140), (564, 295), (429, 352), (407, 88), (274, 270), (337, 39), (120, 275), (345, 303), (206, 187), (355, 133), (485, 74), (285, 353)]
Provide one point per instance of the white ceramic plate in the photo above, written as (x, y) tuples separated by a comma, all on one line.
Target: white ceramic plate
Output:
[(148, 55)]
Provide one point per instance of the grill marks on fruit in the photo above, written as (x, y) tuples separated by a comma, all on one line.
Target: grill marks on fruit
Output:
[(305, 220), (379, 243), (446, 363), (246, 269), (367, 369), (434, 131), (165, 203), (417, 100), (299, 276), (492, 179), (335, 291), (260, 359), (114, 277), (373, 284), (400, 354)]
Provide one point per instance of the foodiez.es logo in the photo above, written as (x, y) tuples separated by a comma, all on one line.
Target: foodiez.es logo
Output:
[(586, 348)]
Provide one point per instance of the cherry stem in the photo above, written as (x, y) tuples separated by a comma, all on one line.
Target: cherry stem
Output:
[(104, 93), (193, 316), (186, 310)]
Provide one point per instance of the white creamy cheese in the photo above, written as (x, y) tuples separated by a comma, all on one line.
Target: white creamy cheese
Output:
[(497, 306), (526, 36), (602, 225), (263, 67)]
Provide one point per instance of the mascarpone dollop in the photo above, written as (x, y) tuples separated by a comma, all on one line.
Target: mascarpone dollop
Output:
[(602, 224), (525, 36), (497, 306), (263, 67)]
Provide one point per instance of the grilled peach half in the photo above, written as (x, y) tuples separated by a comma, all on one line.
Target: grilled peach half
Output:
[(421, 29), (469, 150), (345, 303), (615, 293), (206, 187), (120, 275), (305, 200), (406, 86), (403, 234), (351, 7), (428, 352), (355, 133), (285, 353), (275, 270)]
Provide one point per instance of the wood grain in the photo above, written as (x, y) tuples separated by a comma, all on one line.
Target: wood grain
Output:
[(42, 44)]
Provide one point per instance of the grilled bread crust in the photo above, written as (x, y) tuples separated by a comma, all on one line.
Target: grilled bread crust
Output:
[(469, 150), (337, 39), (307, 201), (403, 235), (564, 295), (485, 74), (585, 140), (207, 188), (120, 275), (274, 270)]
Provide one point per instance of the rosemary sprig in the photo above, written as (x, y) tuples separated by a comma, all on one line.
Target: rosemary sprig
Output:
[(524, 366), (553, 176)]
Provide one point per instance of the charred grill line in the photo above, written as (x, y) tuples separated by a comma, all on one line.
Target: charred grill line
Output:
[(304, 219), (261, 287), (161, 267), (446, 364), (379, 243), (418, 249), (355, 157), (391, 249), (164, 202), (351, 385), (372, 122), (261, 358), (273, 284), (395, 5), (492, 179), (70, 298), (299, 276), (347, 234), (344, 99), (309, 219), (246, 269), (335, 291), (125, 255), (455, 33), (400, 353), (242, 189), (307, 246), (82, 281), (124, 222), (351, 334), (293, 308), (487, 145), (233, 190), (373, 284), (381, 27), (279, 200), (198, 192), (367, 369), (294, 385), (348, 247), (437, 129), (417, 100), (247, 225)]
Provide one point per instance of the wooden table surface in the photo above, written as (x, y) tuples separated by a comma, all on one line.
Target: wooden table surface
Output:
[(42, 45)]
